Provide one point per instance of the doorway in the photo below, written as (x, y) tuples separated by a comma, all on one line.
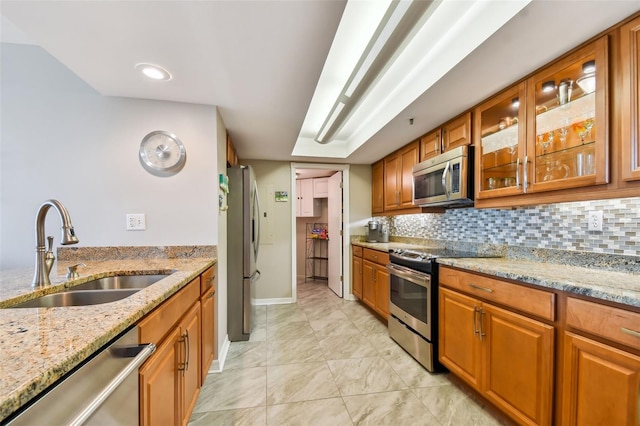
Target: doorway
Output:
[(313, 257)]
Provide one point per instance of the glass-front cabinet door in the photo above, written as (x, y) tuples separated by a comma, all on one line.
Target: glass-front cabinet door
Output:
[(500, 144), (567, 127)]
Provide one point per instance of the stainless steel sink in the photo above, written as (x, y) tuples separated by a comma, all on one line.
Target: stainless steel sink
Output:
[(119, 282), (76, 298)]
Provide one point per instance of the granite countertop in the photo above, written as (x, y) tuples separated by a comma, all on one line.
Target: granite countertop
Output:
[(39, 345), (576, 273), (614, 286)]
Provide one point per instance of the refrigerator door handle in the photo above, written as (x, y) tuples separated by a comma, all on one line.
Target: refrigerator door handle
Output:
[(256, 244)]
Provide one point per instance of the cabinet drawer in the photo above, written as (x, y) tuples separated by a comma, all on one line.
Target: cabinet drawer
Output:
[(356, 250), (376, 256), (611, 323), (536, 302), (207, 279), (158, 323)]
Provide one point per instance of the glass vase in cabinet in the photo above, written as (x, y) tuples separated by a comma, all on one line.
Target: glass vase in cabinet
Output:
[(500, 136), (567, 127)]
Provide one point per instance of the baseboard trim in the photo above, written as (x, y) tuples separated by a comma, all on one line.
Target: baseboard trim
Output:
[(274, 301), (218, 364)]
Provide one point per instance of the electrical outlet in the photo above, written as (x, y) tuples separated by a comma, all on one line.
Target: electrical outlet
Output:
[(136, 222), (595, 220)]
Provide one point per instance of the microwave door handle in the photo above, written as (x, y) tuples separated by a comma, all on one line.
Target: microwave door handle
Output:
[(444, 181)]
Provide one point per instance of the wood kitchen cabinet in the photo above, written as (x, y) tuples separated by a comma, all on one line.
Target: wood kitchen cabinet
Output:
[(307, 206), (356, 271), (170, 379), (453, 134), (600, 382), (506, 356), (398, 177), (208, 281), (558, 135), (630, 99), (375, 281), (377, 187), (232, 155)]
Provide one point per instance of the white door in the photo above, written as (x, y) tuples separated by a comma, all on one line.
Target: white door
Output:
[(334, 207)]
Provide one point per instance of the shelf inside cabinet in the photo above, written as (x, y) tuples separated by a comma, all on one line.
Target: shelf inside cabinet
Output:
[(501, 139), (560, 116), (570, 162)]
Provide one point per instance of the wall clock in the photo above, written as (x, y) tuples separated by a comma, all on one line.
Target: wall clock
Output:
[(162, 153)]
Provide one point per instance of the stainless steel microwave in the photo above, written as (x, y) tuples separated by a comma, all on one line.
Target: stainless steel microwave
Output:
[(445, 180)]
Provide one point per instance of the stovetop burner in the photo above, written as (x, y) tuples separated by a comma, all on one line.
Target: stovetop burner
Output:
[(424, 260), (429, 255)]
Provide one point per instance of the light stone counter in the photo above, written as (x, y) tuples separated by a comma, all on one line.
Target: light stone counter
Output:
[(39, 345), (614, 286), (607, 277)]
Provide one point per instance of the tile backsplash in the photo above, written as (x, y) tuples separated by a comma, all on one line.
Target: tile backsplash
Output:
[(560, 226)]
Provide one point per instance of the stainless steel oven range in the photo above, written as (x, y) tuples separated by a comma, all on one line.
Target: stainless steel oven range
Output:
[(413, 305)]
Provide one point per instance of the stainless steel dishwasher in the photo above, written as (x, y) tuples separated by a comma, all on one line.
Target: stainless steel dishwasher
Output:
[(102, 391)]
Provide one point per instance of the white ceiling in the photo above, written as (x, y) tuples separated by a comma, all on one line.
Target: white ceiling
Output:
[(259, 61)]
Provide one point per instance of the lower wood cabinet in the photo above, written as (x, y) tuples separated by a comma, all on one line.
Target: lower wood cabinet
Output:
[(208, 281), (507, 357), (356, 271), (182, 328), (601, 383), (375, 281)]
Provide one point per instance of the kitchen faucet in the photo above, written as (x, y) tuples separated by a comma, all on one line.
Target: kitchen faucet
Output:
[(41, 276)]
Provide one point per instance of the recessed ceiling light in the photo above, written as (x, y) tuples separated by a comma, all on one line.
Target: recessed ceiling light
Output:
[(154, 72)]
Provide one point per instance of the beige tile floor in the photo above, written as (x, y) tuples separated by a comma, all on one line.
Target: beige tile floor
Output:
[(328, 361)]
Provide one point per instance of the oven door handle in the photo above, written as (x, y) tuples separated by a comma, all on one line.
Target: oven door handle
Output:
[(416, 277)]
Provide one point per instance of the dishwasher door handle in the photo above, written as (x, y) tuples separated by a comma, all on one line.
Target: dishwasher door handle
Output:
[(131, 367)]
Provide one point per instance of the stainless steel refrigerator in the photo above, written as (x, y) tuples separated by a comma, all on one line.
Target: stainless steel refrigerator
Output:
[(243, 241)]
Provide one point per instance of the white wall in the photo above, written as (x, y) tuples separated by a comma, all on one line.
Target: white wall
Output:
[(221, 291), (274, 259), (359, 198), (60, 139)]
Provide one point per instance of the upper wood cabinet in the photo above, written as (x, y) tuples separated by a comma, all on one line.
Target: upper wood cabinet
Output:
[(557, 138), (453, 134), (630, 97), (398, 177), (500, 144), (377, 187), (232, 155)]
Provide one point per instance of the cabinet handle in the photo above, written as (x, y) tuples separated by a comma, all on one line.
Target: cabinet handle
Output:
[(212, 294), (525, 173), (436, 145), (631, 332), (186, 351), (373, 275), (488, 290), (518, 173), (475, 321), (482, 334), (181, 365)]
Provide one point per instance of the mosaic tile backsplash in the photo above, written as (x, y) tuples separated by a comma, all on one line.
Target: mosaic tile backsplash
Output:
[(560, 226)]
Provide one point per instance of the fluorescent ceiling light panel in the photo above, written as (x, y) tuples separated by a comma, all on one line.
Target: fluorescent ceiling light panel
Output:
[(382, 39), (337, 110), (359, 21), (449, 34)]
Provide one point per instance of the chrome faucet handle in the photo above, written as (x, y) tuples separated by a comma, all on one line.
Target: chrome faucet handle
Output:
[(72, 271), (49, 257)]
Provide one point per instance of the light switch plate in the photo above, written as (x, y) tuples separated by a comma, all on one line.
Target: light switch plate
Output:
[(136, 222)]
